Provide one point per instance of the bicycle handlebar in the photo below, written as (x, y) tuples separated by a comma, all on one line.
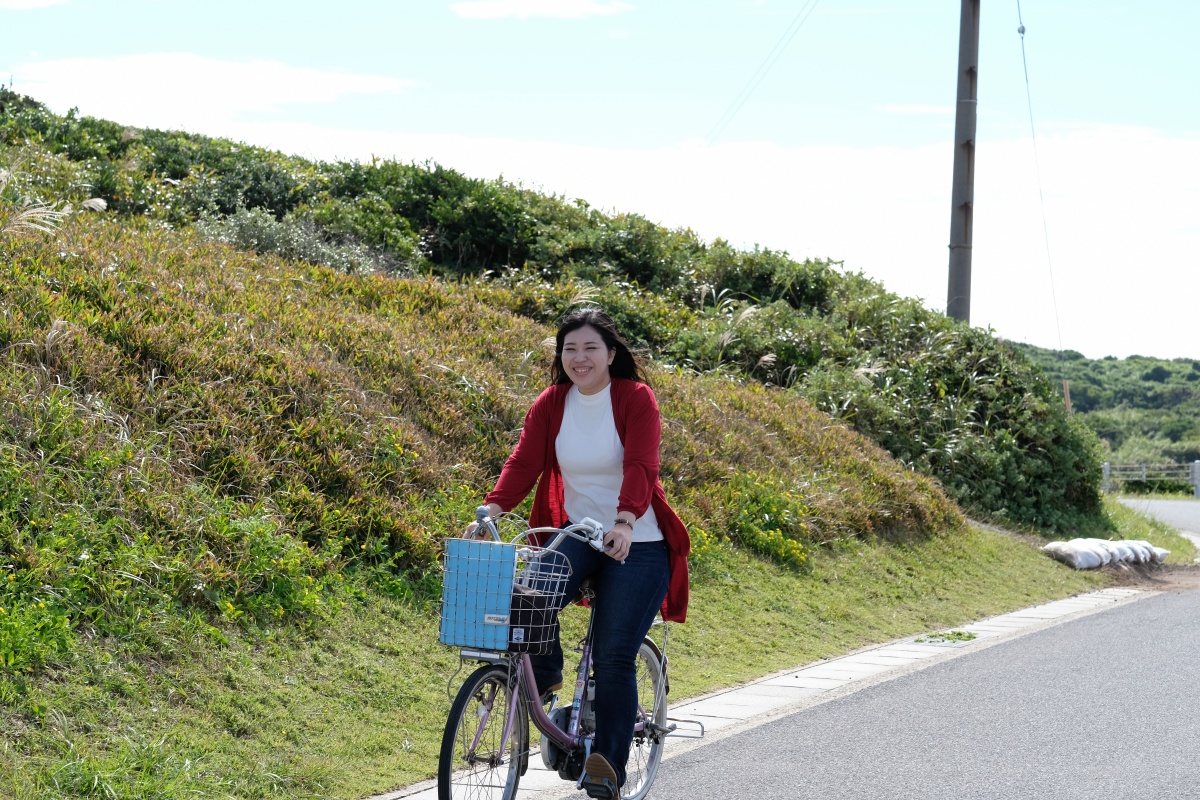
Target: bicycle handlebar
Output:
[(587, 530)]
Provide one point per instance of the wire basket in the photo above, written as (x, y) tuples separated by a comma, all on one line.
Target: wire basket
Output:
[(499, 596)]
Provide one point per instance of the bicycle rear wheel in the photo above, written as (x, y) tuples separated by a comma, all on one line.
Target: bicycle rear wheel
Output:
[(475, 764), (645, 753)]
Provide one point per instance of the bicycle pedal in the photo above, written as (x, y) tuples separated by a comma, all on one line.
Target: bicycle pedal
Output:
[(600, 788), (600, 779)]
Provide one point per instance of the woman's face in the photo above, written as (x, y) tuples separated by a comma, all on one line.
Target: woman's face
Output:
[(585, 359)]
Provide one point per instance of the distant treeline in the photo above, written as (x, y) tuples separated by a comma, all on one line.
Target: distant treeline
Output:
[(1146, 410)]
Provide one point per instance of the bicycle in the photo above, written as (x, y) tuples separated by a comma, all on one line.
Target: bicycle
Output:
[(486, 743)]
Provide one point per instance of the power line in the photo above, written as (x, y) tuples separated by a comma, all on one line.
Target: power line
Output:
[(1038, 172), (789, 33)]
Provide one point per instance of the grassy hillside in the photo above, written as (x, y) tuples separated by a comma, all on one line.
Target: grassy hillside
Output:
[(1145, 410), (363, 416), (949, 401)]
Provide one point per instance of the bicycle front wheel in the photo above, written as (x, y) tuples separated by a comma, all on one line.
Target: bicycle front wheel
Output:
[(645, 752), (476, 761)]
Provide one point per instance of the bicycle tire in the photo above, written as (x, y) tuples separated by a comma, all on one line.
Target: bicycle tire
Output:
[(483, 772), (645, 751)]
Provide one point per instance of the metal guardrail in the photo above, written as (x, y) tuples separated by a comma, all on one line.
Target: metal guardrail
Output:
[(1117, 473)]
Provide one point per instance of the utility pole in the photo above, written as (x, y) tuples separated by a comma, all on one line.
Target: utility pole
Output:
[(962, 198)]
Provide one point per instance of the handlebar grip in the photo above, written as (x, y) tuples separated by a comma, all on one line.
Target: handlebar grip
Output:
[(596, 539)]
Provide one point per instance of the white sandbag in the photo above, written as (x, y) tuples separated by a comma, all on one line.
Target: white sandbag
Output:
[(1073, 554), (1056, 550), (1095, 547), (1120, 552), (1098, 546), (1093, 553), (1146, 548), (1089, 558), (1141, 550)]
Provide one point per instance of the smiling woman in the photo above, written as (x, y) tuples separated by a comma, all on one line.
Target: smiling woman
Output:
[(591, 444)]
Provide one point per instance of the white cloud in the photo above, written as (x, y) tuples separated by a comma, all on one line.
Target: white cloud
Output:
[(525, 9), (182, 90), (25, 5), (1121, 208)]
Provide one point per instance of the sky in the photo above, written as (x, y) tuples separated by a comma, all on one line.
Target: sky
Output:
[(824, 128)]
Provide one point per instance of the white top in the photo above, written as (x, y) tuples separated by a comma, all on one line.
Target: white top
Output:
[(591, 457)]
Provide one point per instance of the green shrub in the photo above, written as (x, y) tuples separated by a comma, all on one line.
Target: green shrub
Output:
[(220, 177), (1145, 410), (764, 276), (368, 219), (767, 518), (975, 415)]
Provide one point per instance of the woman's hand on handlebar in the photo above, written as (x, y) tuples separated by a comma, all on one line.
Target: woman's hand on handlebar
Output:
[(617, 541), (477, 531)]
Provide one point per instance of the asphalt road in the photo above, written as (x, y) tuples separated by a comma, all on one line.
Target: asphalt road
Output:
[(1106, 706), (1103, 707), (1181, 514)]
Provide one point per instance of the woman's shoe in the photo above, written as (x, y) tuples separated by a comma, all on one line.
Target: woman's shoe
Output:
[(601, 779), (549, 691)]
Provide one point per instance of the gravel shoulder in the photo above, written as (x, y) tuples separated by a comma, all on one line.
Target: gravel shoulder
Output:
[(1157, 577)]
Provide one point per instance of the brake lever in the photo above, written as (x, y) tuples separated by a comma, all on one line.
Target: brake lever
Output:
[(596, 540)]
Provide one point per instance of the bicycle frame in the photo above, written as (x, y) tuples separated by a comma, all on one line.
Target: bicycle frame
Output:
[(570, 738)]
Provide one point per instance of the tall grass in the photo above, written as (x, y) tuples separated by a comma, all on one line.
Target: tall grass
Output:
[(19, 214)]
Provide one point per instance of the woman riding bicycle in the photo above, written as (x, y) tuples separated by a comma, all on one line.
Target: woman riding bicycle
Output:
[(591, 444)]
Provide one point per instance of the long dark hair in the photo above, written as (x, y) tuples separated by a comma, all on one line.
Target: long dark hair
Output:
[(625, 364)]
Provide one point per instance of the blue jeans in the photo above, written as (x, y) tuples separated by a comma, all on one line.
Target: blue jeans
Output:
[(627, 598)]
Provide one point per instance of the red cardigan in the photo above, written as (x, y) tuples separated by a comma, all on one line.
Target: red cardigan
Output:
[(635, 411)]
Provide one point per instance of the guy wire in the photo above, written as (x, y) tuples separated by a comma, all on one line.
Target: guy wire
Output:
[(1038, 172)]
